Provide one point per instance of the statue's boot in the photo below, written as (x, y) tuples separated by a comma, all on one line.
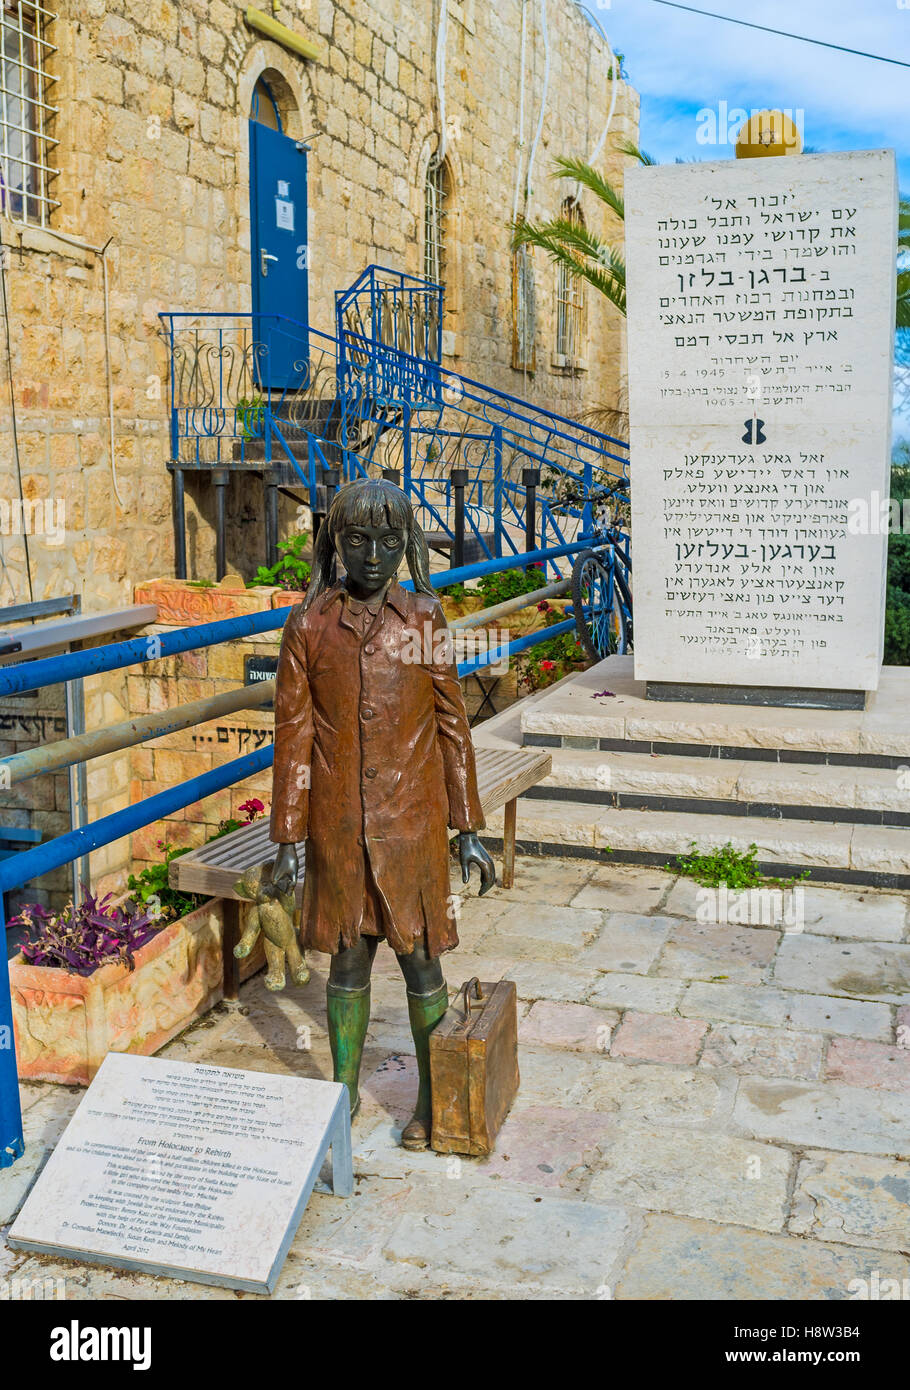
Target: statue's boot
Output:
[(348, 1012), (424, 1012)]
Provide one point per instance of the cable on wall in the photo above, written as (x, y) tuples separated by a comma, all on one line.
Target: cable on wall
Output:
[(543, 96), (441, 77), (15, 429)]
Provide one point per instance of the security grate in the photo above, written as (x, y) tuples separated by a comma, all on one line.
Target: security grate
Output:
[(570, 298), (438, 188), (524, 311), (26, 116)]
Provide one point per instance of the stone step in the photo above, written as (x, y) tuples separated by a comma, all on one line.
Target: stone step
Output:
[(725, 786), (832, 852), (604, 709)]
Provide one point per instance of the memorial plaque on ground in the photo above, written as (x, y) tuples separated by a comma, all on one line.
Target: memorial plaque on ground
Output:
[(761, 319), (195, 1172)]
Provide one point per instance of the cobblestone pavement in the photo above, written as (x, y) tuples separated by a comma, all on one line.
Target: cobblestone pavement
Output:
[(707, 1110)]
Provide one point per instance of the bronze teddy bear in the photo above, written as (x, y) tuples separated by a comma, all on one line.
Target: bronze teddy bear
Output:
[(271, 913)]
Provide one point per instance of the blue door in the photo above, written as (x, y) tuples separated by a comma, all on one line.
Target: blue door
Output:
[(278, 221)]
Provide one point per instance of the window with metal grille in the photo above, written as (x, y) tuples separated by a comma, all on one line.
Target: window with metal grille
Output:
[(26, 115), (524, 311), (571, 301), (438, 194)]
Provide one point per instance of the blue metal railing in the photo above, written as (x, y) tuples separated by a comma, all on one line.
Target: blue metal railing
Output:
[(360, 402), (389, 331)]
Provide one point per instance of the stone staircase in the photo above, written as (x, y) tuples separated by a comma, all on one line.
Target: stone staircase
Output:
[(827, 791)]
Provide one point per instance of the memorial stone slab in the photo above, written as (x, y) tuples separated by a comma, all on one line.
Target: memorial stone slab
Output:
[(760, 327), (195, 1172)]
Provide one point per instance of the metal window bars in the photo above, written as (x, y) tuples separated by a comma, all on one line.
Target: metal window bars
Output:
[(571, 301), (524, 311), (435, 213), (26, 116)]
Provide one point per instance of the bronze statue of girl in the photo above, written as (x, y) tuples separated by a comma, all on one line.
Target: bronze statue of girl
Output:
[(373, 760)]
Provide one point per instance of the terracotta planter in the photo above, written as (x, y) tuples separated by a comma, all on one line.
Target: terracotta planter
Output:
[(181, 604), (65, 1024), (286, 598)]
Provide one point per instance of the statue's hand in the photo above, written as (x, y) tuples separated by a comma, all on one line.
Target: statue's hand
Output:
[(284, 870), (471, 851)]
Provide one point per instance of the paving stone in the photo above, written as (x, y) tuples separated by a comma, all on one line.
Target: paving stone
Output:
[(656, 1094), (853, 1199), (824, 1115), (629, 941), (878, 1066), (658, 1038), (624, 889), (693, 1173), (538, 932), (902, 1026), (853, 913), (548, 1146), (763, 1051), (618, 991), (708, 950), (538, 981), (684, 1259), (541, 879), (573, 1026), (763, 1004), (857, 968), (763, 907), (510, 1237)]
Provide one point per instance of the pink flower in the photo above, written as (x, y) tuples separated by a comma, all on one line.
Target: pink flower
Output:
[(543, 606)]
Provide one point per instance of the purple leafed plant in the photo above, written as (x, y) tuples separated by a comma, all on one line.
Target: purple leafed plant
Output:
[(83, 939)]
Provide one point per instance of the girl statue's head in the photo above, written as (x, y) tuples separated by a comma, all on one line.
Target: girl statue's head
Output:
[(370, 525)]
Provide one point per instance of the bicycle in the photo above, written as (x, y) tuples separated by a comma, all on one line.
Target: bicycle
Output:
[(601, 574)]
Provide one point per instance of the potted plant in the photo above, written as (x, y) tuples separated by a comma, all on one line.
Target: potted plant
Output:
[(102, 977), (290, 574)]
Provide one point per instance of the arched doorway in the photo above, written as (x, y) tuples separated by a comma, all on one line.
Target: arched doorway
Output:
[(278, 236)]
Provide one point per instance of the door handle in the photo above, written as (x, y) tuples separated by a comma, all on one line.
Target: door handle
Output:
[(264, 258)]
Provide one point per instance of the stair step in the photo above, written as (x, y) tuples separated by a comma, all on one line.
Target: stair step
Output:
[(842, 792), (580, 712), (833, 852)]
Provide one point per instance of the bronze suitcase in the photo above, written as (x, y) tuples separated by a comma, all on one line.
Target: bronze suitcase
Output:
[(474, 1068)]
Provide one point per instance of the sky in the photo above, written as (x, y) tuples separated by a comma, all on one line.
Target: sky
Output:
[(683, 64)]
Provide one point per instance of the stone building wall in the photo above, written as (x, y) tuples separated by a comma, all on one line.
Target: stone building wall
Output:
[(154, 99)]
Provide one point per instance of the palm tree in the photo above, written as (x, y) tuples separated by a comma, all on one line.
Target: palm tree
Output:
[(903, 272), (576, 247)]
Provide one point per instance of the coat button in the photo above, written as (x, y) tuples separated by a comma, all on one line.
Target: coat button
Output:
[(369, 650), (366, 714), (369, 772)]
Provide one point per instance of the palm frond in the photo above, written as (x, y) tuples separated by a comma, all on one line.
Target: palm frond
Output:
[(902, 314), (589, 177), (628, 147), (580, 253)]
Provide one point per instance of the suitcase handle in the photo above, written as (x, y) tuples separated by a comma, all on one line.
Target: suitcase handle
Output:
[(473, 983)]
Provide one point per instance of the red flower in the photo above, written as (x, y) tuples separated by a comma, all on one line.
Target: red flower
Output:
[(548, 666), (253, 808), (543, 606)]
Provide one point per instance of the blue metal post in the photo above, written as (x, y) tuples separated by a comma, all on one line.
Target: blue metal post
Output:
[(12, 1144), (497, 490)]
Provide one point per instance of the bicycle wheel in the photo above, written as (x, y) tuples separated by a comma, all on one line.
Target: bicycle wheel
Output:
[(600, 616)]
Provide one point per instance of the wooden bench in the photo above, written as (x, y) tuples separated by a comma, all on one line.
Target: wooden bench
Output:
[(213, 869)]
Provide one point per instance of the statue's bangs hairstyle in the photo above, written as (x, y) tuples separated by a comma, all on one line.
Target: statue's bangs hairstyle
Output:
[(369, 502)]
